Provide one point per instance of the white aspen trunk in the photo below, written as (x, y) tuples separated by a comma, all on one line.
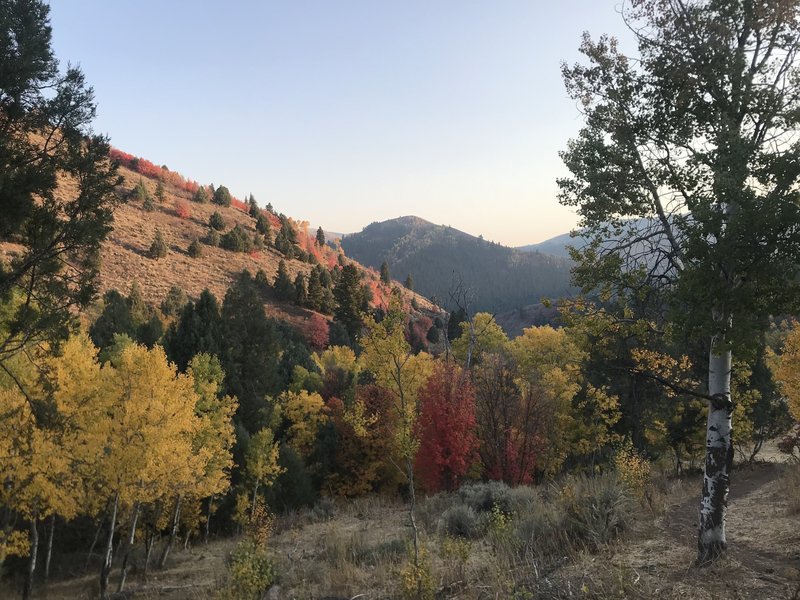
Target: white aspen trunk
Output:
[(412, 508), (719, 459), (34, 541), (172, 532), (208, 519), (106, 569), (128, 547), (51, 530)]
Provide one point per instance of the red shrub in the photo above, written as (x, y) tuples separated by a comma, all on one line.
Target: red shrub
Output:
[(182, 209)]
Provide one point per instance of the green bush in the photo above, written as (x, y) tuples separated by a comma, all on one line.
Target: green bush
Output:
[(159, 248), (237, 240), (195, 250), (250, 571), (215, 221), (213, 238)]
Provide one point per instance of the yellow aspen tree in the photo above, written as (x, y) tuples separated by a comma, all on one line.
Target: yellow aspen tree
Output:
[(261, 463), (306, 412), (548, 377), (787, 371), (215, 437), (139, 434), (388, 356)]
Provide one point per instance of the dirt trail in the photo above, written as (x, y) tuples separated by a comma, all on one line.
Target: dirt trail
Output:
[(763, 539)]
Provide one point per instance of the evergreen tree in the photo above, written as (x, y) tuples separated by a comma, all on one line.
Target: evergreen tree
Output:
[(195, 249), (216, 222), (115, 319), (198, 330), (158, 248), (252, 207), (315, 290), (284, 289), (385, 273), (300, 293), (349, 298), (320, 237), (222, 196), (409, 282), (237, 240), (201, 195), (160, 193), (252, 354), (262, 224), (140, 191), (174, 301)]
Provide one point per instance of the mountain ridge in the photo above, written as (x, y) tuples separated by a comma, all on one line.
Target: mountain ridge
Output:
[(437, 256)]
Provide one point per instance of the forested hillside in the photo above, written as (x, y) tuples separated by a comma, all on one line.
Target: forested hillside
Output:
[(500, 278)]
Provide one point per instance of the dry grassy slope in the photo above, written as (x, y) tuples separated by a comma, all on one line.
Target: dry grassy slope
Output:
[(124, 256)]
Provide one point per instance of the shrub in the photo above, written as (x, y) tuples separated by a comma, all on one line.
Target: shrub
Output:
[(215, 221), (250, 571), (596, 509), (237, 240), (324, 509), (158, 249), (461, 521), (213, 238), (182, 209), (148, 204), (195, 249), (484, 497)]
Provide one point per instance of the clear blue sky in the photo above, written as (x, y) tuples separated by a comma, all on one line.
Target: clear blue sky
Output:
[(347, 112)]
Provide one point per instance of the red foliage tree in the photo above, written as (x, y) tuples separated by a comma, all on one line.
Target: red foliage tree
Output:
[(316, 331), (446, 428), (182, 209)]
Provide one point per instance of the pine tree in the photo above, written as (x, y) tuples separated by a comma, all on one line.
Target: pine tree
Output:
[(349, 301), (284, 289), (160, 193), (158, 248), (300, 293), (409, 282), (201, 195), (216, 222), (252, 207), (320, 237), (385, 273), (222, 196)]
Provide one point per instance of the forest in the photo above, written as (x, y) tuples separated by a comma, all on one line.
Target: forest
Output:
[(133, 430)]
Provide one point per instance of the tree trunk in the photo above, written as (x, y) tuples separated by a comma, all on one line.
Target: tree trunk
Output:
[(172, 532), (34, 540), (719, 459), (253, 503), (106, 568), (96, 537), (128, 547), (412, 507), (51, 530), (208, 519)]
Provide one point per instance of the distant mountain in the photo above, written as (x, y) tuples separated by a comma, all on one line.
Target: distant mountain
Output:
[(500, 278), (557, 246)]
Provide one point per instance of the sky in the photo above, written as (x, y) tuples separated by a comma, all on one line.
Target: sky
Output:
[(346, 112)]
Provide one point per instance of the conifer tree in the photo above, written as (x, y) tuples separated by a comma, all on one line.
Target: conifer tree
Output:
[(320, 237), (158, 248), (284, 289), (385, 273)]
